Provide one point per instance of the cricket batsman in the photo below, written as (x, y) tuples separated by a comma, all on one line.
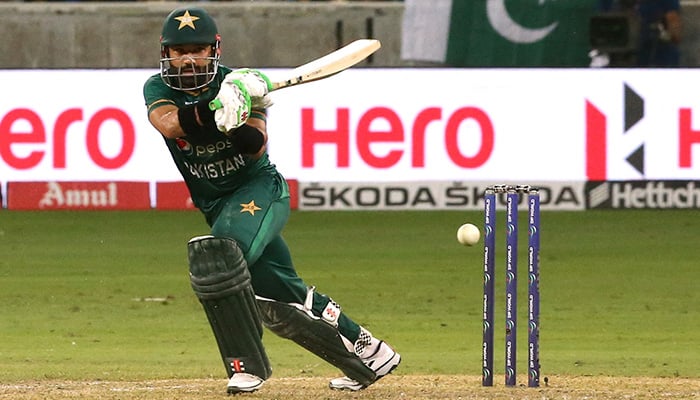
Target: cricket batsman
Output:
[(242, 272)]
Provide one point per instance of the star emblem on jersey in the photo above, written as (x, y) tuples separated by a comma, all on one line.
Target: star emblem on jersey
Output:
[(186, 20), (250, 207)]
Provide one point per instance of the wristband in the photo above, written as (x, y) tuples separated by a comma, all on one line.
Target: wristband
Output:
[(247, 139), (205, 114), (188, 118)]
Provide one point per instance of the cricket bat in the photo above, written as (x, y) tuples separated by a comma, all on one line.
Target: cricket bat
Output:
[(330, 64)]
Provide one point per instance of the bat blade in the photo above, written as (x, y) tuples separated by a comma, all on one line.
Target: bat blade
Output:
[(330, 64)]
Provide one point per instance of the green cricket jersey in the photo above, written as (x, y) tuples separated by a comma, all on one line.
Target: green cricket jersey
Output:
[(243, 199), (208, 163)]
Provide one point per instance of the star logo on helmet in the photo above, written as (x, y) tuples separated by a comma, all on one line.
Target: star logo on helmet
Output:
[(186, 20)]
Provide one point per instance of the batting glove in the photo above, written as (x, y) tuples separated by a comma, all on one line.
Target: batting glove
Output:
[(256, 83), (231, 106)]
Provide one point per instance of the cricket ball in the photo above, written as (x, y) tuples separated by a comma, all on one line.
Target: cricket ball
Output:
[(468, 234)]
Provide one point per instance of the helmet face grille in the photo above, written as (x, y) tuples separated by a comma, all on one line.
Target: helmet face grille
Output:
[(188, 76)]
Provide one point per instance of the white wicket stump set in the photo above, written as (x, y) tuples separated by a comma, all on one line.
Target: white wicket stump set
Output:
[(513, 195)]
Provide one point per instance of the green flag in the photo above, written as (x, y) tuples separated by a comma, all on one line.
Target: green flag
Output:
[(498, 33)]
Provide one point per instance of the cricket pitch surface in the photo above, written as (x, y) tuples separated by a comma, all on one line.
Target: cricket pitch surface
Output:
[(413, 387)]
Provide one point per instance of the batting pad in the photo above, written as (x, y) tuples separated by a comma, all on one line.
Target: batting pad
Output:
[(220, 279), (290, 321)]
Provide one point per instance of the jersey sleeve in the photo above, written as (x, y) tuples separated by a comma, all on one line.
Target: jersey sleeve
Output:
[(155, 93)]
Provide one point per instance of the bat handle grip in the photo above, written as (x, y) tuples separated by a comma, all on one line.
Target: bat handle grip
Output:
[(215, 104)]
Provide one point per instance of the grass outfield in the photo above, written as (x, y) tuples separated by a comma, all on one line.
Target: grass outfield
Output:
[(105, 296)]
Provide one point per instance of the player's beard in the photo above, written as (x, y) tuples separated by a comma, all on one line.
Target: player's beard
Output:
[(190, 75)]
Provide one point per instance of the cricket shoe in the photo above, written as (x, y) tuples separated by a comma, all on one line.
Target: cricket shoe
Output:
[(382, 361), (241, 382)]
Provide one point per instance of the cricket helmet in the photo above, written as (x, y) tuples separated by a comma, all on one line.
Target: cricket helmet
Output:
[(182, 26)]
